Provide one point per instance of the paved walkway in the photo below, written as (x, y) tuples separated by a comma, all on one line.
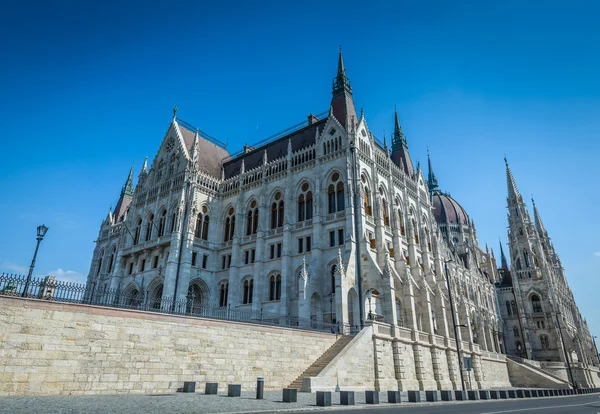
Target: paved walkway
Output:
[(198, 403)]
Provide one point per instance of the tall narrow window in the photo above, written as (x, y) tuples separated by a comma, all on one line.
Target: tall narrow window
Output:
[(401, 219), (367, 202), (205, 228), (224, 291), (111, 261), (278, 287), (272, 288), (198, 232), (161, 223), (252, 219), (508, 308), (339, 193), (138, 230), (277, 211), (173, 221), (335, 194), (309, 206), (149, 226), (513, 305), (384, 211), (331, 199), (99, 269), (536, 304), (229, 225), (247, 299), (301, 207), (333, 270)]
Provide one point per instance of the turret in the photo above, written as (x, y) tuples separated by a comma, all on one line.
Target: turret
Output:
[(400, 155), (342, 105), (125, 198)]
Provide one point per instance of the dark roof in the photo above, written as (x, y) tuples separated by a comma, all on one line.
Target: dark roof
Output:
[(401, 158), (447, 210), (506, 280), (210, 155), (301, 138)]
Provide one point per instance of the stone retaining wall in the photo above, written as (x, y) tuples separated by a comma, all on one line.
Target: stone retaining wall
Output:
[(58, 348)]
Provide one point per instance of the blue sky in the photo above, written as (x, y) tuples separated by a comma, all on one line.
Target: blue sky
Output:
[(88, 87)]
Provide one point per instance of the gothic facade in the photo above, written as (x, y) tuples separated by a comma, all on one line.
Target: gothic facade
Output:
[(542, 321), (321, 224)]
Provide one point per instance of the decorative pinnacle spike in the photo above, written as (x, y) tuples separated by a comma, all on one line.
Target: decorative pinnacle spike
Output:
[(175, 109)]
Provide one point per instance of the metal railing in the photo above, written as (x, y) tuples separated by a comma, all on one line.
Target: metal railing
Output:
[(50, 289)]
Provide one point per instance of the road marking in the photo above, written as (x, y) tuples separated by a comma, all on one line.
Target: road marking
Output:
[(537, 408)]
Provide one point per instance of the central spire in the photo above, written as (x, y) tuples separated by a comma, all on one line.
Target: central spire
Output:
[(400, 155), (399, 140)]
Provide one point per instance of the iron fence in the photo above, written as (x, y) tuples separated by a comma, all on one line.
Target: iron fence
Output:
[(54, 290)]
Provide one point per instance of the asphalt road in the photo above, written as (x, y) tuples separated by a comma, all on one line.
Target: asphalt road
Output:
[(585, 404), (180, 403)]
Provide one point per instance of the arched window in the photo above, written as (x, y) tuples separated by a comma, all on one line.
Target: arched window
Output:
[(277, 211), (515, 331), (305, 204), (229, 225), (205, 227), (513, 304), (252, 219), (384, 211), (527, 261), (149, 226), (161, 222), (335, 194), (138, 231), (100, 262), (248, 290), (111, 261), (508, 308), (544, 342), (224, 292), (173, 221), (275, 287), (401, 219), (198, 231), (536, 304)]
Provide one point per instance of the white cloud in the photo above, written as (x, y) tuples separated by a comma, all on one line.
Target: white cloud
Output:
[(597, 254), (10, 267), (67, 275)]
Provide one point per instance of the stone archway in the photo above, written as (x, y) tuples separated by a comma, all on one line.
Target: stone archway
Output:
[(198, 297)]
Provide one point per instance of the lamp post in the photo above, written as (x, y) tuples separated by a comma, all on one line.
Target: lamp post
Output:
[(565, 350), (460, 370), (369, 296), (596, 348), (41, 232)]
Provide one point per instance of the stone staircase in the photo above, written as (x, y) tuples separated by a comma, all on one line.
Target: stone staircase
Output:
[(322, 361), (523, 374)]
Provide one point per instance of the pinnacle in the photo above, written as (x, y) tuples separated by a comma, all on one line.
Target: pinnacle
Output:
[(513, 192)]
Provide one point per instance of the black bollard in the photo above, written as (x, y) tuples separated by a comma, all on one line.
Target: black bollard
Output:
[(260, 388)]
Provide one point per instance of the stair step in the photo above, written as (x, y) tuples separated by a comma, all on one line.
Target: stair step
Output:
[(321, 362)]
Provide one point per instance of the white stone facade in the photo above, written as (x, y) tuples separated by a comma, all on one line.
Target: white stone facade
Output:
[(376, 250)]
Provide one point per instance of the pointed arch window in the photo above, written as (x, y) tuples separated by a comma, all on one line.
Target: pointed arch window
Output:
[(100, 262), (252, 219), (508, 310), (202, 223), (173, 221), (275, 287), (367, 202), (199, 218), (223, 293), (138, 231), (149, 226), (248, 290), (111, 260), (401, 219), (229, 225), (384, 211), (277, 211), (536, 304), (333, 270), (161, 222), (335, 194), (513, 304), (305, 204), (515, 331)]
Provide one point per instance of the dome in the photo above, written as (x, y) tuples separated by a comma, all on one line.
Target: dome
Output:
[(448, 211)]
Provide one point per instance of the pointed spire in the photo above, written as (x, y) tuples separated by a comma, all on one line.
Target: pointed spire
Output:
[(503, 257), (145, 166), (128, 187), (175, 109), (341, 82), (265, 160), (513, 192), (385, 147), (432, 182), (398, 140), (362, 113), (194, 153), (243, 167), (539, 225)]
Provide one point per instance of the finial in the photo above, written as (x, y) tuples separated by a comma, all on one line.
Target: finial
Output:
[(505, 160), (532, 200), (175, 109), (362, 113), (145, 166)]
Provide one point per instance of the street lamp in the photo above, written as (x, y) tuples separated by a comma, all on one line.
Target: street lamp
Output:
[(565, 350), (460, 370), (369, 296), (41, 232)]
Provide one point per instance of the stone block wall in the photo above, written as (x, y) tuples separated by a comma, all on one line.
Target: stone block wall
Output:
[(58, 348)]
